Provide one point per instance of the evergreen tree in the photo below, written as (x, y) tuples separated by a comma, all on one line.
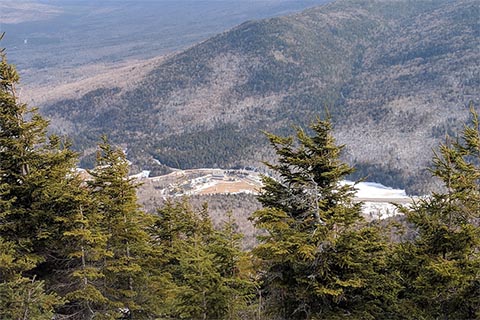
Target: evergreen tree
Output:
[(26, 220), (318, 259), (201, 294), (236, 268), (24, 298), (174, 224), (84, 246), (441, 267), (206, 265), (21, 297), (23, 159), (114, 196)]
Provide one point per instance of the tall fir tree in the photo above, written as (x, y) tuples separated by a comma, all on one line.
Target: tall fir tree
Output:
[(210, 273), (236, 269), (80, 277), (22, 154), (25, 299), (47, 230), (128, 243), (25, 233), (440, 269), (318, 258)]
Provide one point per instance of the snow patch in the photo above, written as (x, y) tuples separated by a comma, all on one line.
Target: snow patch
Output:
[(376, 190)]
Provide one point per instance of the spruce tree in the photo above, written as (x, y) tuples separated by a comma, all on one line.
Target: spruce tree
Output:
[(84, 248), (25, 298), (22, 160), (115, 199), (50, 233), (211, 280), (215, 283), (201, 293), (236, 269), (318, 258), (441, 267), (174, 224), (28, 165)]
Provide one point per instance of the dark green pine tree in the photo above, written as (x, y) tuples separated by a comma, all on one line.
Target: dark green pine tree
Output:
[(210, 273), (318, 258), (201, 291), (440, 269), (21, 297), (27, 227), (25, 298), (22, 154), (80, 278), (236, 269), (128, 243), (174, 224), (214, 285)]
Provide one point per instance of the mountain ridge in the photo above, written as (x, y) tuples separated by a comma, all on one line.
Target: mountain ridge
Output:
[(380, 67)]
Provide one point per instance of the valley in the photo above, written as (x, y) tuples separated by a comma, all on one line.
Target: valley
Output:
[(60, 42), (194, 159), (206, 105), (393, 84), (235, 191), (202, 182)]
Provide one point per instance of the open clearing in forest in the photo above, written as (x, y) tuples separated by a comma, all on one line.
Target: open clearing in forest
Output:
[(231, 187)]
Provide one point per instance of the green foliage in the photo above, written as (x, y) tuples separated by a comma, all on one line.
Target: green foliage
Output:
[(127, 243), (212, 276), (440, 268), (89, 242), (75, 249), (25, 164), (20, 160), (217, 147), (85, 248), (318, 259), (26, 299)]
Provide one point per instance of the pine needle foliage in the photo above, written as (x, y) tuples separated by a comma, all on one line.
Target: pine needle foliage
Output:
[(211, 274), (318, 257), (26, 223), (441, 267), (125, 226)]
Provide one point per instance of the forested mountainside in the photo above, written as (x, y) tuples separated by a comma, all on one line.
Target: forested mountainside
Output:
[(92, 37), (78, 246), (396, 76)]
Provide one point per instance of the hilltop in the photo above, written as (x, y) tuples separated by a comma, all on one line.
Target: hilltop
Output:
[(396, 76)]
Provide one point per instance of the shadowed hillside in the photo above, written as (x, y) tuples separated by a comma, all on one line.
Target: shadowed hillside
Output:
[(395, 75)]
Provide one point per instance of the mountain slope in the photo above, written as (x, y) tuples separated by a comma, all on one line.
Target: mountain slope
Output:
[(395, 76), (89, 37)]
